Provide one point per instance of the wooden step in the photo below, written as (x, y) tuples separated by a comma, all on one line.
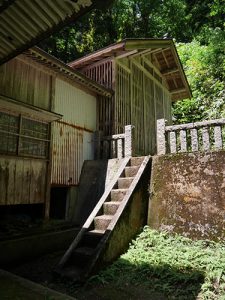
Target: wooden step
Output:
[(118, 194), (111, 207), (91, 238), (124, 182), (86, 251), (136, 161), (102, 222), (81, 256), (131, 171), (71, 272), (97, 231)]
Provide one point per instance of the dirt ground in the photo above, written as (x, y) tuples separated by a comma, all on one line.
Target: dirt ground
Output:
[(40, 271)]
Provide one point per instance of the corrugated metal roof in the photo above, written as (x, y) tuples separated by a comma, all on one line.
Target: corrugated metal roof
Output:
[(165, 55), (24, 23)]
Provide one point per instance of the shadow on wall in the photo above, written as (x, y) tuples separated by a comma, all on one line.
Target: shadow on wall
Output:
[(91, 188), (124, 280)]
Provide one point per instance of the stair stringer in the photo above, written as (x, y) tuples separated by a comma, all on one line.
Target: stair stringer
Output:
[(132, 215), (127, 221), (91, 217)]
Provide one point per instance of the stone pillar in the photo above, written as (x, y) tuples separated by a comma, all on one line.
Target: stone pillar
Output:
[(161, 139), (128, 150)]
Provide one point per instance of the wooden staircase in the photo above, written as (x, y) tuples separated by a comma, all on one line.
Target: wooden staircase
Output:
[(80, 259)]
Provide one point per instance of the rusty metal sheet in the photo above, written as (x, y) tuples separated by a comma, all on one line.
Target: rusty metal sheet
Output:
[(73, 135), (71, 147)]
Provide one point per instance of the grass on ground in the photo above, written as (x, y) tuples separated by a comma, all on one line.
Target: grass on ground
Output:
[(174, 266)]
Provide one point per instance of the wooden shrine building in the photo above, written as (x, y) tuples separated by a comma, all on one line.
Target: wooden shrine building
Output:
[(146, 76)]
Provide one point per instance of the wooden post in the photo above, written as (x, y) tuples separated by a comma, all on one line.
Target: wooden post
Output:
[(48, 175), (128, 151), (161, 141), (97, 144)]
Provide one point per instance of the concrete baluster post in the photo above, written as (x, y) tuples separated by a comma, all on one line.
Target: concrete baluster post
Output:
[(128, 150), (161, 139)]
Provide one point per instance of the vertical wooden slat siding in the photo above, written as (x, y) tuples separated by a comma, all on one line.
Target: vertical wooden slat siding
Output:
[(22, 181), (21, 81), (140, 99), (100, 72)]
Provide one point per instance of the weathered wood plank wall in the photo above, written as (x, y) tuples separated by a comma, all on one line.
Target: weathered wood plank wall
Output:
[(22, 181), (141, 97), (103, 72), (20, 80)]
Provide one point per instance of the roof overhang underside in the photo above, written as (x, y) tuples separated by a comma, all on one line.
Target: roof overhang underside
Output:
[(24, 23), (58, 67), (164, 55)]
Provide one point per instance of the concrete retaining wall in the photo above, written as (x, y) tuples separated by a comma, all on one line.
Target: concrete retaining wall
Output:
[(188, 194)]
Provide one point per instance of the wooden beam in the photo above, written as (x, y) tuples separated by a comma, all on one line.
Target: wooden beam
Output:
[(178, 90), (146, 44), (97, 55), (169, 71)]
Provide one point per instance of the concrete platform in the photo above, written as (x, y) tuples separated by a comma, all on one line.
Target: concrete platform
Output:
[(13, 287)]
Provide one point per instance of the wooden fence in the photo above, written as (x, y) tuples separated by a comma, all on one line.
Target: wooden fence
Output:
[(114, 146), (191, 137)]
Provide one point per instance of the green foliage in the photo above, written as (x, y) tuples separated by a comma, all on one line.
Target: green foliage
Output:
[(174, 265), (196, 25), (205, 69)]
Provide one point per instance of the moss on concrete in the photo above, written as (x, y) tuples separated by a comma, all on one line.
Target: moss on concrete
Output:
[(188, 194)]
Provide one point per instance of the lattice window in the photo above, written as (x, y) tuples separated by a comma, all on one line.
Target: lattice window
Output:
[(34, 138), (22, 136), (9, 128)]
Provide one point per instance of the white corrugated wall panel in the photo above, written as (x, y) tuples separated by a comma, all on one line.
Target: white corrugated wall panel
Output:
[(73, 135), (76, 106)]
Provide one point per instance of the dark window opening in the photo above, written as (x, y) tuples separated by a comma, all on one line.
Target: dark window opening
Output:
[(16, 220), (58, 203)]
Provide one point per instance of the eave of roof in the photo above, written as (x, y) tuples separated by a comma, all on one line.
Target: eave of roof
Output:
[(24, 23), (127, 47), (60, 67)]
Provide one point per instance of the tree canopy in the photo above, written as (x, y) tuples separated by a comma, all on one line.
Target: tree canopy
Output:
[(197, 26)]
